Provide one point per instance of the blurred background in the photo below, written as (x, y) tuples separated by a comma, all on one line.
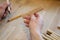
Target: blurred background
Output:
[(16, 29)]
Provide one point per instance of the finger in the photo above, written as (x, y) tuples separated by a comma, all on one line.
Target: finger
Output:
[(40, 19), (36, 14), (27, 17), (27, 25), (33, 18), (1, 7), (26, 21), (5, 15)]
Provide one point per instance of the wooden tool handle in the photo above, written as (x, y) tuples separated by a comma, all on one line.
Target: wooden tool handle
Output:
[(29, 13)]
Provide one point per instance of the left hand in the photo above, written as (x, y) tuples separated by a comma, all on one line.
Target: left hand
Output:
[(3, 6)]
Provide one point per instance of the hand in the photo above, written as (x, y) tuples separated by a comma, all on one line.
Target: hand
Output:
[(3, 12), (34, 22)]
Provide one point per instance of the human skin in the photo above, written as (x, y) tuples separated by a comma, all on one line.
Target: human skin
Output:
[(2, 9), (34, 23)]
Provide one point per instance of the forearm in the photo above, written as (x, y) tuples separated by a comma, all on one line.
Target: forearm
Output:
[(35, 35)]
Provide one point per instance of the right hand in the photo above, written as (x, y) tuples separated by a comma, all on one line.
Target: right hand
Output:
[(34, 22)]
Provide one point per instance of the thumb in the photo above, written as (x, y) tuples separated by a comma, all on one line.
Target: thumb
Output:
[(33, 18)]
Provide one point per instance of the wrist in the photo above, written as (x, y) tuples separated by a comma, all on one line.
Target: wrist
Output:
[(35, 31), (36, 35)]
